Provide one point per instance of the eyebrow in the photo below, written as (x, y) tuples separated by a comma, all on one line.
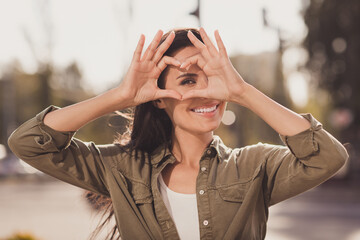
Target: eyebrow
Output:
[(187, 75)]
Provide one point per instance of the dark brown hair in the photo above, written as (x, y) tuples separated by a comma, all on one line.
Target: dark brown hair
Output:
[(149, 127)]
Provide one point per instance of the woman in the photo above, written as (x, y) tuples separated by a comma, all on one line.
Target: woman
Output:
[(174, 179)]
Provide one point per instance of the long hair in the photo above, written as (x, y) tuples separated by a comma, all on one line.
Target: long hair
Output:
[(149, 127)]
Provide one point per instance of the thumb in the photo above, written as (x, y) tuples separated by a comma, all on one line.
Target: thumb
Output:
[(195, 94), (196, 59), (167, 94)]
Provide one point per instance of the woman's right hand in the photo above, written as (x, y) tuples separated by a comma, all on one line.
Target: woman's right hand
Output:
[(140, 82)]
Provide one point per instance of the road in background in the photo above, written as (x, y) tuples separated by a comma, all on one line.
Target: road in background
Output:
[(53, 210), (328, 212), (49, 210)]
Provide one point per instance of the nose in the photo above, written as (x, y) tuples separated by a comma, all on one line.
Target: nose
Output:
[(202, 82)]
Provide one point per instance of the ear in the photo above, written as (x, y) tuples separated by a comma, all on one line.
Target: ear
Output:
[(159, 103)]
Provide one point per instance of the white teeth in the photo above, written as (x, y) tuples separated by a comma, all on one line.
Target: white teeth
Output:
[(204, 110)]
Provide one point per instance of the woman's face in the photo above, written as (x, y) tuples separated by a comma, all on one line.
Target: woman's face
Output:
[(196, 115)]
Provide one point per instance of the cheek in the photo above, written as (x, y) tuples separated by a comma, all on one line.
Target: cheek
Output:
[(176, 110), (222, 110), (173, 86), (171, 106)]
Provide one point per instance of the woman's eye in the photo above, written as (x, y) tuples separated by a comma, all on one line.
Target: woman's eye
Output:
[(187, 81)]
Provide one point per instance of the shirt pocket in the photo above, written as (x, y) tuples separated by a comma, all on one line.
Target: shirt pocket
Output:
[(233, 193), (138, 189), (227, 200), (140, 192)]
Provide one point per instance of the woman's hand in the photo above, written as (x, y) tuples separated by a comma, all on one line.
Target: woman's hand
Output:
[(224, 82), (140, 83)]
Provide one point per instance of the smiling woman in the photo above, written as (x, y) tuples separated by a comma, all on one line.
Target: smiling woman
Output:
[(171, 178)]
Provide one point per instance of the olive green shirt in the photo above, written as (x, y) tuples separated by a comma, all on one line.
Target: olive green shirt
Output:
[(234, 187)]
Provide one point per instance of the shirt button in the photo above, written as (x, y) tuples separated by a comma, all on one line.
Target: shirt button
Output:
[(206, 222), (208, 151), (201, 192), (203, 169)]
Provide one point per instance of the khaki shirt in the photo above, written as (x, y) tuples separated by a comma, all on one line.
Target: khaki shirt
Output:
[(234, 187)]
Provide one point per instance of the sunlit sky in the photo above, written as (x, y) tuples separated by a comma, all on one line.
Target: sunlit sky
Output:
[(100, 35)]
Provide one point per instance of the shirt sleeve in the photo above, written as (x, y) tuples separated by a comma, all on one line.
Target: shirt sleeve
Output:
[(308, 159), (61, 155)]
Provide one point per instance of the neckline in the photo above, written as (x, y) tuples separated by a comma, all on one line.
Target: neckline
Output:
[(169, 191)]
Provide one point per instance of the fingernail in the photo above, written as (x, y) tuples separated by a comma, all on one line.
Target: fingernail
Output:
[(181, 66)]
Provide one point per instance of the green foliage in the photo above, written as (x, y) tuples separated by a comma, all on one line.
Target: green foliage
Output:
[(333, 44), (23, 95), (22, 236)]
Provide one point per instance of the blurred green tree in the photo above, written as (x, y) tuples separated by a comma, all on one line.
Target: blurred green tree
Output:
[(22, 236), (333, 44)]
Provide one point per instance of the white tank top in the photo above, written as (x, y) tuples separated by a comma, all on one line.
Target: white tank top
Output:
[(183, 210)]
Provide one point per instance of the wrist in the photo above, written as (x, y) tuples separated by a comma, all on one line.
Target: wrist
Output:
[(115, 99), (243, 96)]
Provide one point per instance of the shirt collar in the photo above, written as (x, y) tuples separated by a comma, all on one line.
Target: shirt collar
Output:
[(219, 148), (216, 147), (160, 153)]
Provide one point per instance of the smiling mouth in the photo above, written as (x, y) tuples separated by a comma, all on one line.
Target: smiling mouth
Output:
[(205, 109)]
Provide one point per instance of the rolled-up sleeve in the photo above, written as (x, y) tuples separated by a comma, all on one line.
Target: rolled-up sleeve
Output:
[(308, 159), (303, 144), (61, 155)]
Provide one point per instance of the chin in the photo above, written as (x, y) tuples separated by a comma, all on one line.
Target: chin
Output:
[(206, 128)]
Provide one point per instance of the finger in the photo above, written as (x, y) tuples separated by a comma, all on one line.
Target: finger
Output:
[(196, 59), (164, 46), (220, 44), (198, 44), (195, 94), (149, 53), (167, 60), (208, 43), (139, 47), (167, 94)]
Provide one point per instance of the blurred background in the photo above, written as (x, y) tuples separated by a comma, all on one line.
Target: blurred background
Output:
[(305, 54)]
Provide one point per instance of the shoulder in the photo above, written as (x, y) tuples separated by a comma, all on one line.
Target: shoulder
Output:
[(134, 165), (253, 149), (122, 155), (260, 149), (249, 155)]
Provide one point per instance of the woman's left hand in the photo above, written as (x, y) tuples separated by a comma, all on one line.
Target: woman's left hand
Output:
[(224, 82)]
